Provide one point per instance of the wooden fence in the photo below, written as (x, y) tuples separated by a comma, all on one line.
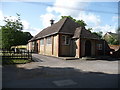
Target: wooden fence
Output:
[(27, 55)]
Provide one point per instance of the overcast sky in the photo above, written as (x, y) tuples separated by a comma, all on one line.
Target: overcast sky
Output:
[(101, 16)]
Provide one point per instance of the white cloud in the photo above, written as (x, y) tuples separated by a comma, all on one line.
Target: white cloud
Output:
[(105, 28), (46, 19), (115, 18), (59, 11), (61, 8), (1, 18), (28, 28), (32, 30), (11, 18), (52, 0), (90, 19), (1, 15), (67, 7), (26, 24), (49, 9)]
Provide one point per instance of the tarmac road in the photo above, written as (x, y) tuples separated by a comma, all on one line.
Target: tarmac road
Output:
[(52, 72)]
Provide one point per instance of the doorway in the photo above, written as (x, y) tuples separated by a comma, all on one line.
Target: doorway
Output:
[(36, 48), (87, 48)]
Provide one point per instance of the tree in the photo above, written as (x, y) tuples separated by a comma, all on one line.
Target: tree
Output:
[(81, 22), (89, 29), (13, 24), (118, 31), (0, 39), (99, 34), (12, 33), (25, 37), (68, 17), (112, 41)]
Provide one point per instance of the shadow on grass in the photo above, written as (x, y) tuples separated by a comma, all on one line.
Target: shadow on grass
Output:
[(45, 76)]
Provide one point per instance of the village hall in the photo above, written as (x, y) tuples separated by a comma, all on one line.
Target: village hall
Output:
[(66, 38)]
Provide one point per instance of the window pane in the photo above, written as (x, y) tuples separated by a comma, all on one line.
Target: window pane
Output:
[(99, 46), (42, 42), (49, 40), (67, 40), (63, 40)]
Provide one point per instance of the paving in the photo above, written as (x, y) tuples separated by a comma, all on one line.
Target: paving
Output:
[(52, 72)]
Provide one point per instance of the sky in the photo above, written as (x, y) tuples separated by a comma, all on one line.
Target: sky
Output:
[(36, 15)]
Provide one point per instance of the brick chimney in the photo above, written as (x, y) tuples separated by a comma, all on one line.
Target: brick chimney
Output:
[(52, 21)]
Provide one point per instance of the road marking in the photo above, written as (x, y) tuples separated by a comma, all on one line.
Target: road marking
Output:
[(64, 82)]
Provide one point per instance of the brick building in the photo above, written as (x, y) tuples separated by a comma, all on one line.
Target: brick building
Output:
[(67, 38)]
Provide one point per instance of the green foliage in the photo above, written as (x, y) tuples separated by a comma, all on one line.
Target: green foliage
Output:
[(99, 34), (0, 39), (12, 33), (81, 22), (15, 61), (119, 35), (112, 40), (89, 29), (13, 24), (68, 17)]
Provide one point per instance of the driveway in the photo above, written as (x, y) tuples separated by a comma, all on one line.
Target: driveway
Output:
[(51, 72), (105, 66)]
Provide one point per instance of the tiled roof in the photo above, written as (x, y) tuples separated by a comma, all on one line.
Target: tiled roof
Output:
[(81, 32), (65, 25), (115, 47), (111, 34)]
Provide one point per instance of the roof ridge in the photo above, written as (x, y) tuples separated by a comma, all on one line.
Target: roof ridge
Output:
[(63, 20), (63, 23)]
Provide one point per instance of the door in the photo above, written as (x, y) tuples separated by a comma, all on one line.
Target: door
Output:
[(36, 48), (87, 48)]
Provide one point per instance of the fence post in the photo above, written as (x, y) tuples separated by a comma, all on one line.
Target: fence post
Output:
[(28, 54)]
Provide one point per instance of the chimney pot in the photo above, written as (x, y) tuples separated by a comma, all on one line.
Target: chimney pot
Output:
[(52, 21)]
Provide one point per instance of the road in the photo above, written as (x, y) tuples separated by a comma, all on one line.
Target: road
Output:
[(51, 72)]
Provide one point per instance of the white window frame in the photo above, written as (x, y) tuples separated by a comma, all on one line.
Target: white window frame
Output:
[(65, 43), (47, 40), (100, 47), (42, 40), (33, 44)]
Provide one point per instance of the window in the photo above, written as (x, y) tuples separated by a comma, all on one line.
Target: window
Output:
[(49, 40), (33, 44), (42, 42), (99, 46), (65, 40)]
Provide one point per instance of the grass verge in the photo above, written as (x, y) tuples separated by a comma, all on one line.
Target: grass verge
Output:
[(15, 61)]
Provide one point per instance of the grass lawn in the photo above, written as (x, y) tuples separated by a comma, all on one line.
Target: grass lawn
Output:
[(14, 58), (15, 61)]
